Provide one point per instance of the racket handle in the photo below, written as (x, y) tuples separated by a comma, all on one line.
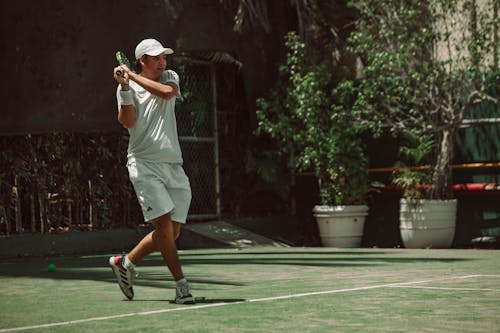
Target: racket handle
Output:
[(119, 72)]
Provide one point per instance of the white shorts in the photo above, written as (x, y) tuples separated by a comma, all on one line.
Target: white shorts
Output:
[(160, 188)]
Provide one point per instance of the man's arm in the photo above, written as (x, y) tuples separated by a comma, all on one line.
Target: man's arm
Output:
[(165, 91), (126, 115)]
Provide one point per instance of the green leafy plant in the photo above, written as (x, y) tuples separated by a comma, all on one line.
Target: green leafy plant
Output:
[(411, 173), (310, 120), (425, 66)]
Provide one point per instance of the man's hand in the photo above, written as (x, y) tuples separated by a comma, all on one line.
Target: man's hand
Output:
[(124, 77)]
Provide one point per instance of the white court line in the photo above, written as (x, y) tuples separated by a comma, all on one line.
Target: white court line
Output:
[(267, 299), (448, 288)]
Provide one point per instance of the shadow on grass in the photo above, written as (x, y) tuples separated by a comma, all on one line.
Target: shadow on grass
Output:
[(92, 269), (279, 251), (96, 267), (198, 300)]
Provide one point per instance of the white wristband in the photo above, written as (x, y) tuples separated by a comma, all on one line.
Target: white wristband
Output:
[(126, 97)]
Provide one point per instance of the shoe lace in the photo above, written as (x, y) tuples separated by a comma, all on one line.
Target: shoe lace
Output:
[(130, 268), (134, 271)]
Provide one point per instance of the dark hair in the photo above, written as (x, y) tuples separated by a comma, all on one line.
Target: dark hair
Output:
[(137, 64)]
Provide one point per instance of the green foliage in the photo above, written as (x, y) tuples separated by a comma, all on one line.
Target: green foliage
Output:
[(412, 176), (421, 72), (418, 148), (311, 121)]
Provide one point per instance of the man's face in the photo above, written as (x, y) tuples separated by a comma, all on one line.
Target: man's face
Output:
[(154, 66)]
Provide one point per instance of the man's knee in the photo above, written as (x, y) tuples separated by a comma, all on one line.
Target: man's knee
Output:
[(164, 226)]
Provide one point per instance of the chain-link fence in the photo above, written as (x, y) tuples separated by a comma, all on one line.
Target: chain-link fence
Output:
[(197, 127)]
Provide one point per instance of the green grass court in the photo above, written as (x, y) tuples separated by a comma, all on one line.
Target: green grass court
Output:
[(261, 289)]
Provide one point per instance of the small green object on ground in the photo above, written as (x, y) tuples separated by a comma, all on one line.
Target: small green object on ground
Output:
[(51, 267)]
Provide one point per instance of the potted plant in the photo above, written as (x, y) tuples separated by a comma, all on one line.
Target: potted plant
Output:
[(421, 75), (306, 117), (422, 222)]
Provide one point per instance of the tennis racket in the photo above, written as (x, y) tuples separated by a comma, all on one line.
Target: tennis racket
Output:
[(122, 60)]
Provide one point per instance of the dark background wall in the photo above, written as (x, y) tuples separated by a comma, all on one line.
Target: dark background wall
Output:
[(57, 56)]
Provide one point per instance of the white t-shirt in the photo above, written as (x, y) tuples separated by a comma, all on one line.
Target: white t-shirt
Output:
[(154, 135)]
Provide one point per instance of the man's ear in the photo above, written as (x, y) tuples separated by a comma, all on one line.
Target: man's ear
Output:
[(142, 60)]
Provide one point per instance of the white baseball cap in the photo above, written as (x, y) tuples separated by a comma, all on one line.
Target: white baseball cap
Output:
[(150, 47)]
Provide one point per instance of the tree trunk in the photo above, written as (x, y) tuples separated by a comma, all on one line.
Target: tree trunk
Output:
[(91, 205), (33, 213), (5, 219), (70, 213), (17, 205), (42, 195), (442, 186)]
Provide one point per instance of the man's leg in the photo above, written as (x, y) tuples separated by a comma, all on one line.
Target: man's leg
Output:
[(141, 250), (163, 239), (147, 245)]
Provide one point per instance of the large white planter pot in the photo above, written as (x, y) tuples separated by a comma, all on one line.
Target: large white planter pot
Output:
[(427, 223), (341, 226)]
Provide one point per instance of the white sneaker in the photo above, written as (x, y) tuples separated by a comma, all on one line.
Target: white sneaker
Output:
[(183, 294), (123, 276)]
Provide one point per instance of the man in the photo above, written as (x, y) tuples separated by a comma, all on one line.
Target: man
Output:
[(146, 103)]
